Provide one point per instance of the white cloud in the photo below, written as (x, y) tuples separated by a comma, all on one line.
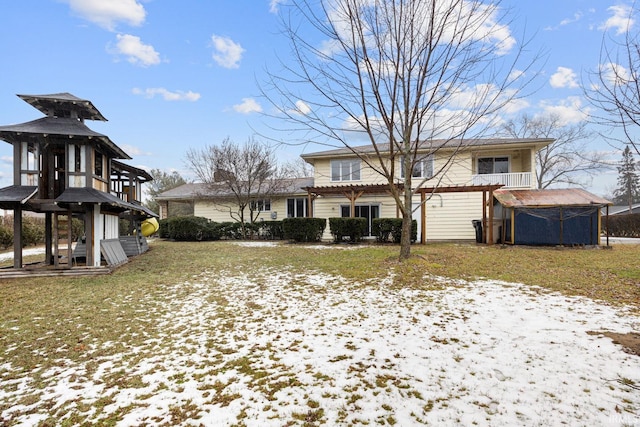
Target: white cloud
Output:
[(621, 19), (107, 13), (166, 94), (227, 53), (274, 5), (301, 109), (576, 17), (615, 74), (569, 110), (564, 77), (136, 52), (482, 25), (248, 106), (134, 151)]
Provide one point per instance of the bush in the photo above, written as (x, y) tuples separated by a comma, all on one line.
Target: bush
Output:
[(271, 230), (230, 230), (351, 228), (303, 229), (163, 228), (391, 228), (189, 228), (32, 231), (6, 236), (622, 225)]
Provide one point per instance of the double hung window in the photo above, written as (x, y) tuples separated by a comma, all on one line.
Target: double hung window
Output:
[(423, 168), (345, 170)]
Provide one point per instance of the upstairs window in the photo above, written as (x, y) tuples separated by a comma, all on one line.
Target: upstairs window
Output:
[(422, 169), (98, 168), (489, 165), (345, 170)]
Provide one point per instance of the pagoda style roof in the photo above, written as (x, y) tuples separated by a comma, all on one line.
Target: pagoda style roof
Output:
[(16, 195), (75, 195), (61, 104), (124, 169), (52, 128)]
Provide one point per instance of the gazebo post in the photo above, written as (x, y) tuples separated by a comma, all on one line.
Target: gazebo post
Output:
[(423, 218), (17, 237), (490, 225), (484, 217), (48, 240)]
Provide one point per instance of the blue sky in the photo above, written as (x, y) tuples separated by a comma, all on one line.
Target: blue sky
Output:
[(174, 75)]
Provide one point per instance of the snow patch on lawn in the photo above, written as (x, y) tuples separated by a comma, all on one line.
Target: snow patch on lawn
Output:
[(284, 349)]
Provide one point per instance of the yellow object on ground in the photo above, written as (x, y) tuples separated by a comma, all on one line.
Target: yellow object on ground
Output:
[(149, 226)]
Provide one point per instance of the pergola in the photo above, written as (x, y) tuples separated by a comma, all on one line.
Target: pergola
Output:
[(354, 192)]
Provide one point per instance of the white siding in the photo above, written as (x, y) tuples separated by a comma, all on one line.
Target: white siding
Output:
[(220, 213), (449, 215), (111, 226)]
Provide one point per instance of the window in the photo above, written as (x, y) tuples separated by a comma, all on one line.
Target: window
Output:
[(297, 208), (345, 170), (261, 205), (422, 169), (98, 170), (77, 158), (370, 212), (487, 165)]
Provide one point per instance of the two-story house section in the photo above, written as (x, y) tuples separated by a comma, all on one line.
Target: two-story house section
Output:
[(345, 185), (64, 170)]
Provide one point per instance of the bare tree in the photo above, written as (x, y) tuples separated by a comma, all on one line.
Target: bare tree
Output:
[(298, 168), (615, 87), (245, 175), (409, 77), (568, 159)]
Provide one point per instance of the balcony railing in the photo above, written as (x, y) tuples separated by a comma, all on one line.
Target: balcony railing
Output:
[(509, 180)]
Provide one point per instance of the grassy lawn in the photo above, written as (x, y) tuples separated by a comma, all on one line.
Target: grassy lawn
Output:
[(48, 325)]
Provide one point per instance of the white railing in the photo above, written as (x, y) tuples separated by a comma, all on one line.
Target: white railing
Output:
[(509, 180)]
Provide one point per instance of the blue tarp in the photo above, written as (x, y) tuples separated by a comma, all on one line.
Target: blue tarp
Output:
[(558, 225)]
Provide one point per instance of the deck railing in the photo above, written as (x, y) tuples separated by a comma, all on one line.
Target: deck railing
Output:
[(509, 180)]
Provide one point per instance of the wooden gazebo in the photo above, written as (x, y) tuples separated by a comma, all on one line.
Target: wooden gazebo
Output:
[(62, 169)]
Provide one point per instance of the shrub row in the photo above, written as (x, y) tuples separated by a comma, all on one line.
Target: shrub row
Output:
[(390, 229), (191, 228), (349, 229), (623, 225), (303, 229), (33, 231), (295, 229)]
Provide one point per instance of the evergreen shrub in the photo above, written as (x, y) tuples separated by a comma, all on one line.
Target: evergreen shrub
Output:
[(351, 228), (271, 230), (303, 229), (386, 229), (622, 225)]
